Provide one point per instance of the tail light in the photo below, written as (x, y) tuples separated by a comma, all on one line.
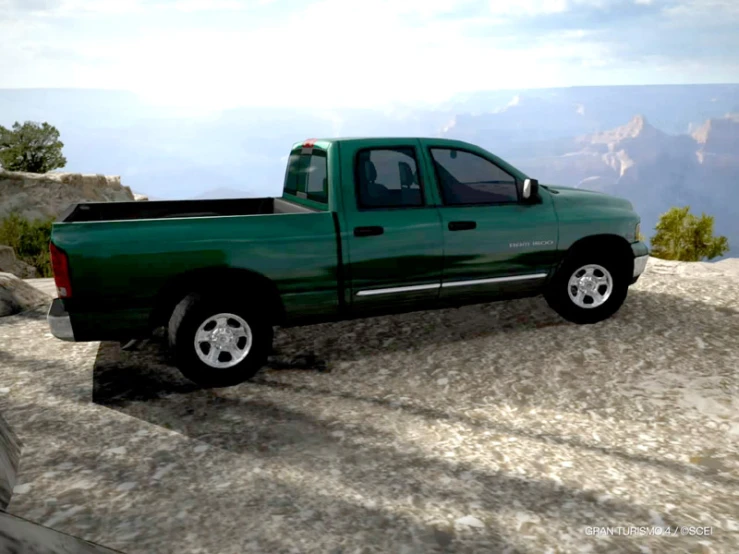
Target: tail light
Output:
[(60, 267)]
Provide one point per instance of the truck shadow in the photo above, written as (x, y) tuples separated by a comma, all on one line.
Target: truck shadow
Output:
[(146, 372), (311, 424), (146, 375)]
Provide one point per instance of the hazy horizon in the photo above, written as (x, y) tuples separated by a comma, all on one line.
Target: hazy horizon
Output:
[(446, 102), (180, 152)]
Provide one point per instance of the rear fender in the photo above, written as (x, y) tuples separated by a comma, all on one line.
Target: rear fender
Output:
[(241, 283)]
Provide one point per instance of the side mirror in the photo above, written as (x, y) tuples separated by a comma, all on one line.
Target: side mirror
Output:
[(530, 189)]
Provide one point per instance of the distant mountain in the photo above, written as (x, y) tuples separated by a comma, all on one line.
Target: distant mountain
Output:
[(653, 169), (176, 153), (543, 114), (718, 139), (224, 192)]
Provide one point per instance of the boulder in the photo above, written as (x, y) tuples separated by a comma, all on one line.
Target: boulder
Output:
[(18, 296), (46, 195), (10, 264)]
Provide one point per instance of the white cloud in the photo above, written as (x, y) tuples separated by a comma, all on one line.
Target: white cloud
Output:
[(80, 8), (403, 66), (215, 5), (528, 7), (99, 7), (328, 53), (544, 7), (704, 11)]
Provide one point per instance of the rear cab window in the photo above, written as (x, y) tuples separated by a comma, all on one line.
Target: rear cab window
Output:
[(306, 176), (316, 178)]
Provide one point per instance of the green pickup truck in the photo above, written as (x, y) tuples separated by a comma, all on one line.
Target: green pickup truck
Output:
[(364, 227)]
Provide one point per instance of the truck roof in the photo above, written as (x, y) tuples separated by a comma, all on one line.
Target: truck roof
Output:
[(306, 146), (327, 141)]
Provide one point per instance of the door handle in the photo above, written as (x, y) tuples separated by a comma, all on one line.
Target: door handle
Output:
[(462, 225), (368, 231)]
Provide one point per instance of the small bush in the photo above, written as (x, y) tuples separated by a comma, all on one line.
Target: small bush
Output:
[(32, 147), (29, 240), (685, 237)]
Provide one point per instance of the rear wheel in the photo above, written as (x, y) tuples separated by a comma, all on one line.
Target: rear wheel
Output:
[(588, 287), (218, 342)]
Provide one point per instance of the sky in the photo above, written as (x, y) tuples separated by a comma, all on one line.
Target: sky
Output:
[(371, 53)]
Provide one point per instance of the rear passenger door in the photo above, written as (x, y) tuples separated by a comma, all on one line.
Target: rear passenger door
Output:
[(394, 236)]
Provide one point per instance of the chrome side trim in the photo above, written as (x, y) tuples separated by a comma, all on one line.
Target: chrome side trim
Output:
[(495, 280), (393, 290), (453, 284), (640, 264)]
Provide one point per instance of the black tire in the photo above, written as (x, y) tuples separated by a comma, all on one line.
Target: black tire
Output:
[(558, 296), (186, 320)]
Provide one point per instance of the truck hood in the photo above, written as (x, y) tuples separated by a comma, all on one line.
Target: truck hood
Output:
[(571, 196)]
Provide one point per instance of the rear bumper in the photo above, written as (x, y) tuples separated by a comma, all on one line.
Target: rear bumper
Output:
[(59, 321)]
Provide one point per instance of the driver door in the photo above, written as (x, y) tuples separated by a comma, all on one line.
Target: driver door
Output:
[(494, 244)]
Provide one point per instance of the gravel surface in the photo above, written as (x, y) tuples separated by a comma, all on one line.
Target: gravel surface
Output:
[(491, 428)]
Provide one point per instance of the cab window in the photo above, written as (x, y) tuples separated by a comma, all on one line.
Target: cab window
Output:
[(388, 178), (467, 179)]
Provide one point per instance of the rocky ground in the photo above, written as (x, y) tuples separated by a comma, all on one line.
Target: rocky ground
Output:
[(492, 428)]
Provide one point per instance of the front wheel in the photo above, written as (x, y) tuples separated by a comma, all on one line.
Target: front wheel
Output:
[(588, 288), (218, 342)]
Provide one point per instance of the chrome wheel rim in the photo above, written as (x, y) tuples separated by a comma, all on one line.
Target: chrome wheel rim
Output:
[(223, 340), (590, 286)]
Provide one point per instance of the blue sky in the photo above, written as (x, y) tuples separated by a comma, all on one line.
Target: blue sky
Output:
[(333, 53)]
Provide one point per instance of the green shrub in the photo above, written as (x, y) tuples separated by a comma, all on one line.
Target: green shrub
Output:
[(29, 240), (685, 237), (32, 147)]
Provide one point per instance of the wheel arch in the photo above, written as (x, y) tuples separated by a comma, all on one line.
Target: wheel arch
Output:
[(618, 245), (210, 281)]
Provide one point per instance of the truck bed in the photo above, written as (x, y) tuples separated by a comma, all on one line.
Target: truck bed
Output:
[(164, 209)]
